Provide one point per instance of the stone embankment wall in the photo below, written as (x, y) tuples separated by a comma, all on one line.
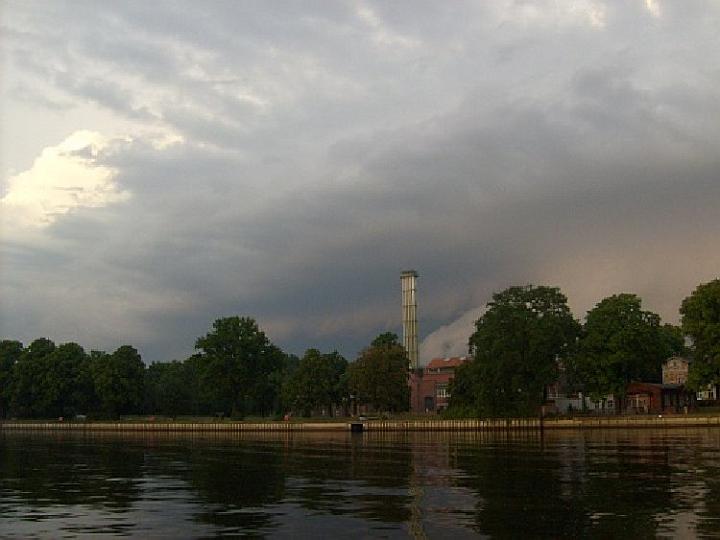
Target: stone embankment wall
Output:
[(548, 423), (136, 427), (376, 425)]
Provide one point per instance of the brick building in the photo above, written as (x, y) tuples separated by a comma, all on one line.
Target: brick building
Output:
[(429, 385), (651, 398)]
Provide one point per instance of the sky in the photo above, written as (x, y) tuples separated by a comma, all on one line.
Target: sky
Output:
[(164, 164)]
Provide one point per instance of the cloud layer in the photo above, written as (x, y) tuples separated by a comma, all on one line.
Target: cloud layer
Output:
[(62, 179), (287, 161)]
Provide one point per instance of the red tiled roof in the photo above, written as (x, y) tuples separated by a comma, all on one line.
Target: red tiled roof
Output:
[(455, 361)]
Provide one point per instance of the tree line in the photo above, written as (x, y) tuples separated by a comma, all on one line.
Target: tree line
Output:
[(528, 339), (236, 371)]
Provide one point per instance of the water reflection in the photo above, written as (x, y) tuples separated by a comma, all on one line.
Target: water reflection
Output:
[(560, 485), (66, 470)]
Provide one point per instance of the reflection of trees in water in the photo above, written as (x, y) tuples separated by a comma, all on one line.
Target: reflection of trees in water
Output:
[(705, 468), (234, 483), (629, 483), (569, 485), (520, 489), (348, 476), (235, 479), (595, 483), (57, 469), (709, 522)]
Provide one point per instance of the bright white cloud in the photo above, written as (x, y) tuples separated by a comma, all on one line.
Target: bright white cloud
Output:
[(653, 7), (63, 178)]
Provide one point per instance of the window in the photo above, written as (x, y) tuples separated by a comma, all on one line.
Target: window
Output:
[(441, 391), (429, 403)]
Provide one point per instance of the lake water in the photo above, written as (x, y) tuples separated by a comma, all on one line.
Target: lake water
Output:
[(604, 484)]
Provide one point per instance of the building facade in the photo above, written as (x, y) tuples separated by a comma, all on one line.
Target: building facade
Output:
[(710, 394), (675, 370), (429, 386), (652, 398)]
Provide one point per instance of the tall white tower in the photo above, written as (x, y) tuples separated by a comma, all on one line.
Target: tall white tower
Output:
[(410, 323)]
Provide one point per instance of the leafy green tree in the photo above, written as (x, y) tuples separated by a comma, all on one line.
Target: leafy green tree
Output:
[(238, 363), (39, 348), (28, 375), (318, 383), (516, 346), (151, 387), (280, 380), (622, 343), (118, 379), (283, 378), (674, 339), (10, 353), (379, 377), (464, 390), (66, 388), (168, 389), (291, 362), (202, 392), (386, 339), (701, 322)]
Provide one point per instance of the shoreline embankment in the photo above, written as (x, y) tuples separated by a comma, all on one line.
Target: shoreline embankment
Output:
[(509, 424)]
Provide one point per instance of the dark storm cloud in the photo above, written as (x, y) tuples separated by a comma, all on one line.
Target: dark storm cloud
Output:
[(328, 147)]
